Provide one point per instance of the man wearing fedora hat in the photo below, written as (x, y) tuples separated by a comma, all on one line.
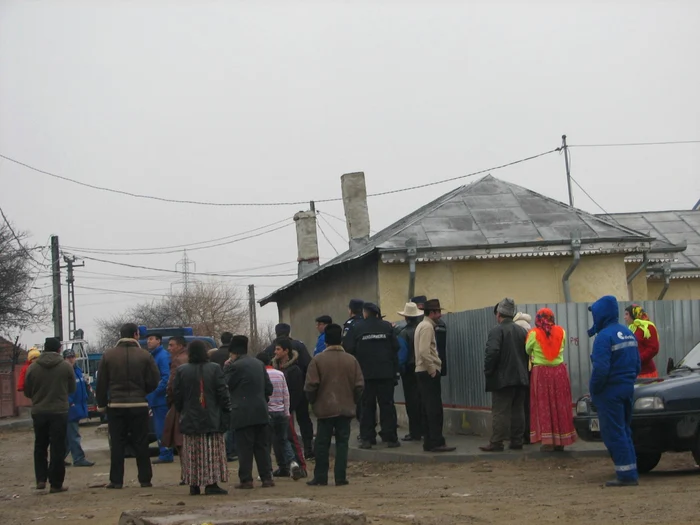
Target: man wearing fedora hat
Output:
[(413, 315), (428, 367)]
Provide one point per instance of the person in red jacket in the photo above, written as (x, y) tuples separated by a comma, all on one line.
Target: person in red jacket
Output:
[(31, 357), (647, 339)]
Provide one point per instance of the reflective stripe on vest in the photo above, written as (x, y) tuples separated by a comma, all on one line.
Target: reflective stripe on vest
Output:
[(626, 344)]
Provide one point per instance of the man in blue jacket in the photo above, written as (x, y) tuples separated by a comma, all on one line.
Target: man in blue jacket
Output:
[(156, 399), (77, 410), (616, 364), (321, 323)]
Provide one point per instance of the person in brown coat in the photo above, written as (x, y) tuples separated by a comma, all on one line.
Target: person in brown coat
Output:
[(172, 437), (127, 374), (334, 385)]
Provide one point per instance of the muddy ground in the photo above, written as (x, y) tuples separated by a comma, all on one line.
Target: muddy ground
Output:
[(522, 492)]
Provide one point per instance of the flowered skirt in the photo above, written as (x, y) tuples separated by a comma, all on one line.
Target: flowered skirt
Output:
[(551, 417), (203, 459)]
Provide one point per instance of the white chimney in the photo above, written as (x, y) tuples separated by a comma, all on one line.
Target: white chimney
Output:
[(356, 212), (307, 242)]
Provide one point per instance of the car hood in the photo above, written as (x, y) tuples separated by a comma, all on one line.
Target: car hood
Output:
[(665, 385)]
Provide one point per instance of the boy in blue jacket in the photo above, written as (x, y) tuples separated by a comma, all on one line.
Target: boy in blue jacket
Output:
[(156, 399), (616, 365), (77, 410)]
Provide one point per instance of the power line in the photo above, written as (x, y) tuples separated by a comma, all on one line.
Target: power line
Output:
[(110, 291), (327, 239), (120, 253), (192, 273), (589, 196), (635, 144), (292, 203), (135, 250), (331, 226), (342, 220)]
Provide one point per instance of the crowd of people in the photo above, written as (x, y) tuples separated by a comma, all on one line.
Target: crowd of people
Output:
[(213, 406)]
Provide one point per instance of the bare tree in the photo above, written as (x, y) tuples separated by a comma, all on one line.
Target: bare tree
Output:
[(18, 308), (209, 308)]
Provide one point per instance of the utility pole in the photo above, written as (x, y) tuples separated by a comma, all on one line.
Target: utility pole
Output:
[(565, 149), (70, 279), (56, 277), (252, 315)]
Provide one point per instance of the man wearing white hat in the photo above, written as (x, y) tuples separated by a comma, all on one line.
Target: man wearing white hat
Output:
[(411, 394)]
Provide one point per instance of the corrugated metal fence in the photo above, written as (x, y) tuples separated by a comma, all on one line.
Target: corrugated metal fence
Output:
[(678, 323)]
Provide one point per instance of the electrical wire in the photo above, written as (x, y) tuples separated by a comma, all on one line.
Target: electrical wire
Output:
[(669, 142), (137, 250), (110, 291), (327, 239), (589, 196), (207, 274), (343, 220), (253, 204), (331, 226), (121, 254)]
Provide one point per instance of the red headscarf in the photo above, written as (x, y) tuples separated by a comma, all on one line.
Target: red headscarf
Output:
[(549, 335)]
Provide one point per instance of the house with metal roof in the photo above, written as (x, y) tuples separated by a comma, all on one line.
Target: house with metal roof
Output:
[(469, 248), (679, 277)]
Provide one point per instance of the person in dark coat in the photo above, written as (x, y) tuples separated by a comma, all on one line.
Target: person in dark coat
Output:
[(507, 378), (306, 426), (49, 383), (201, 397), (172, 437), (221, 354), (250, 388), (374, 345), (286, 361), (355, 311), (411, 393)]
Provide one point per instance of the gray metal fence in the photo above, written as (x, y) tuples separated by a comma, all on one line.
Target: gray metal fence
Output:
[(678, 323)]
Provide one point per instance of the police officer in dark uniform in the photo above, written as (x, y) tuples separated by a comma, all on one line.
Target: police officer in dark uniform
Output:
[(355, 309), (374, 345)]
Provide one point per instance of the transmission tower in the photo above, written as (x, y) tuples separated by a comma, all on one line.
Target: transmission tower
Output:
[(184, 266), (70, 280)]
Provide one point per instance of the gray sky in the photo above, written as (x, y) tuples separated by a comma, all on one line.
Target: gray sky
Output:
[(273, 101)]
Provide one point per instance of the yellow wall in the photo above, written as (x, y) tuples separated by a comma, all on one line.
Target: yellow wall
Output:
[(465, 285), (680, 289), (638, 289)]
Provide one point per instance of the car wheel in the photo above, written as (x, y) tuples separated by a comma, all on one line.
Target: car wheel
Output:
[(647, 461)]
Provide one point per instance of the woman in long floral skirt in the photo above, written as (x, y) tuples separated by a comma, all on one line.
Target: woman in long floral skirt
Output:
[(201, 397), (551, 418)]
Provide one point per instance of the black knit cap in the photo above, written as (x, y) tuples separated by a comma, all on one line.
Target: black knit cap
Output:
[(334, 334), (239, 345), (283, 329), (52, 344)]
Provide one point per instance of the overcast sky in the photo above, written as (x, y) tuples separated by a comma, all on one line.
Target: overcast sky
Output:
[(273, 101)]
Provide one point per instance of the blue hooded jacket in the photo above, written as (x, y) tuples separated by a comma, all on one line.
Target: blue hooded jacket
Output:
[(77, 401), (162, 359), (320, 344), (615, 356)]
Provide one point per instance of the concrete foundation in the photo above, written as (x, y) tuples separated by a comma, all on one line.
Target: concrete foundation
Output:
[(294, 511), (468, 422)]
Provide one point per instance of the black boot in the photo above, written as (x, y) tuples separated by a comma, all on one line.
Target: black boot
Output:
[(214, 490), (194, 490), (309, 449)]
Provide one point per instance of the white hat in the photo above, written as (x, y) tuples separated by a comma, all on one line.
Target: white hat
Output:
[(411, 310)]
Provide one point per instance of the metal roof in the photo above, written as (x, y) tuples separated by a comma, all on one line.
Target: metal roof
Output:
[(491, 214), (669, 227)]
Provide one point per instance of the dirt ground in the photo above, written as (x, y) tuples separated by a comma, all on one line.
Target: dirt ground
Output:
[(521, 492)]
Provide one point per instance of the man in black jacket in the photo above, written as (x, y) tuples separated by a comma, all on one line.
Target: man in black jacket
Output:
[(374, 345), (221, 354), (355, 311), (411, 393), (306, 426), (505, 368), (250, 389)]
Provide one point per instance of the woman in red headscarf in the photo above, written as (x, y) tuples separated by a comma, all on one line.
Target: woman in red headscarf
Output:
[(551, 419), (647, 339)]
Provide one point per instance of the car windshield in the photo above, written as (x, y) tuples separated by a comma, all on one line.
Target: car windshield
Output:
[(692, 360)]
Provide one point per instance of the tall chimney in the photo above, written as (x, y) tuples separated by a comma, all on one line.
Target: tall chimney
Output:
[(307, 242), (355, 204)]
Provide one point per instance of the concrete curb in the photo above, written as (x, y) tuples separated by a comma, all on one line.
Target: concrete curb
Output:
[(394, 456), (16, 424)]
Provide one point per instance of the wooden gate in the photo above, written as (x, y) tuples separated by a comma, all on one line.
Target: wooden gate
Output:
[(7, 391)]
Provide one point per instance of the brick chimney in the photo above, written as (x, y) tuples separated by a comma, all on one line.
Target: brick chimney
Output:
[(307, 242), (355, 204)]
